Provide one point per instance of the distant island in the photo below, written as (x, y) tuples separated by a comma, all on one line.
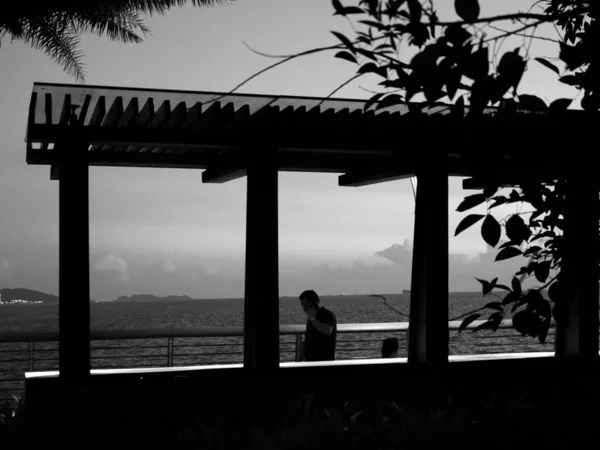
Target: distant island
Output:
[(152, 298), (26, 296)]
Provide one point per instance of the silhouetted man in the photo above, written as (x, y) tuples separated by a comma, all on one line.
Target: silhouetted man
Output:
[(390, 348), (321, 330)]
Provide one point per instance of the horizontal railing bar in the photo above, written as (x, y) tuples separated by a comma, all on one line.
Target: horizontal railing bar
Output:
[(128, 348), (155, 355), (231, 331)]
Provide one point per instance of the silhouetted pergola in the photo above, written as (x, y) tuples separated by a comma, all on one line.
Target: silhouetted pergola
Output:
[(72, 127)]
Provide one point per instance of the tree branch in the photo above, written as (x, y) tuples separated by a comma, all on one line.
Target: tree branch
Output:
[(389, 306), (345, 83), (517, 16)]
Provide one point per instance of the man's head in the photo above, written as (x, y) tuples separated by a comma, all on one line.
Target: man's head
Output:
[(309, 299)]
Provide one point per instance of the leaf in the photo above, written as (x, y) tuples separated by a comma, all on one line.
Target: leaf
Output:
[(511, 297), (497, 306), (337, 6), (347, 56), (532, 103), (510, 71), (471, 201), (371, 68), (467, 222), (467, 10), (390, 100), (548, 64), (465, 323), (507, 253), (477, 66), (507, 244), (456, 35), (486, 286), (532, 250), (415, 9), (500, 200), (349, 45), (491, 230), (522, 322), (560, 104), (351, 10), (541, 271), (571, 80), (372, 101), (488, 325), (374, 24), (516, 285), (543, 332), (516, 230)]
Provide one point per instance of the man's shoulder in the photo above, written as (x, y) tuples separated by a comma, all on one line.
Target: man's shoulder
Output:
[(326, 312)]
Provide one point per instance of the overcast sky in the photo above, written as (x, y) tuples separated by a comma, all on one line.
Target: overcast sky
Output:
[(163, 231)]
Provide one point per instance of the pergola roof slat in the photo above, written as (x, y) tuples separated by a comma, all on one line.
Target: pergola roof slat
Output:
[(84, 110), (99, 112), (65, 113), (305, 130)]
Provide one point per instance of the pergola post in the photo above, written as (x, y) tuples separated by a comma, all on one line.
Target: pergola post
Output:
[(74, 257), (577, 326), (428, 325), (261, 302)]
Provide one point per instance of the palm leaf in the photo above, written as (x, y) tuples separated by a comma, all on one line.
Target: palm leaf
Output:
[(55, 26)]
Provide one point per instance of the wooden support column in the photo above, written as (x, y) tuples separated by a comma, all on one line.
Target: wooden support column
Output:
[(261, 303), (74, 266), (428, 334), (577, 326)]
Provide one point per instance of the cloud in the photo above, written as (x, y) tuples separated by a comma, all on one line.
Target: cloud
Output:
[(164, 274), (169, 267), (111, 263), (399, 254), (462, 269)]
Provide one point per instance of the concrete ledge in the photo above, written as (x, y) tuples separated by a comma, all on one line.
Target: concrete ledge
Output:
[(285, 365)]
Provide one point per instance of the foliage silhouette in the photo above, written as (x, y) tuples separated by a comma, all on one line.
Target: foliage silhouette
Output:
[(55, 26)]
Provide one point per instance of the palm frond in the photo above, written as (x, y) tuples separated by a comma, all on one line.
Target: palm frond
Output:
[(58, 41), (54, 26)]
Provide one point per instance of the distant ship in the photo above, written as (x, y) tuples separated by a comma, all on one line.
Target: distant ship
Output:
[(405, 291)]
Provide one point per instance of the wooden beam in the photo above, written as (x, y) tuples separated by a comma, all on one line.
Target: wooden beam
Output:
[(357, 179), (192, 116), (261, 300), (54, 172), (99, 112), (227, 166), (74, 277), (84, 109), (577, 319), (145, 115), (131, 113), (161, 116), (428, 335), (223, 175), (114, 114), (65, 114), (509, 175)]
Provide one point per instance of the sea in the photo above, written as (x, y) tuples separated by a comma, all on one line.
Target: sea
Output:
[(16, 358)]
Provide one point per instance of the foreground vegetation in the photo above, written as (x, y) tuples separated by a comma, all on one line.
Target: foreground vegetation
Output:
[(498, 418)]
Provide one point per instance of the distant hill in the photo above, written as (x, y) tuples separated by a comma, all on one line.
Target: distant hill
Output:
[(152, 298), (9, 295)]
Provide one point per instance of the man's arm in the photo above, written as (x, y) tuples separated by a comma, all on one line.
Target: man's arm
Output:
[(322, 327)]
